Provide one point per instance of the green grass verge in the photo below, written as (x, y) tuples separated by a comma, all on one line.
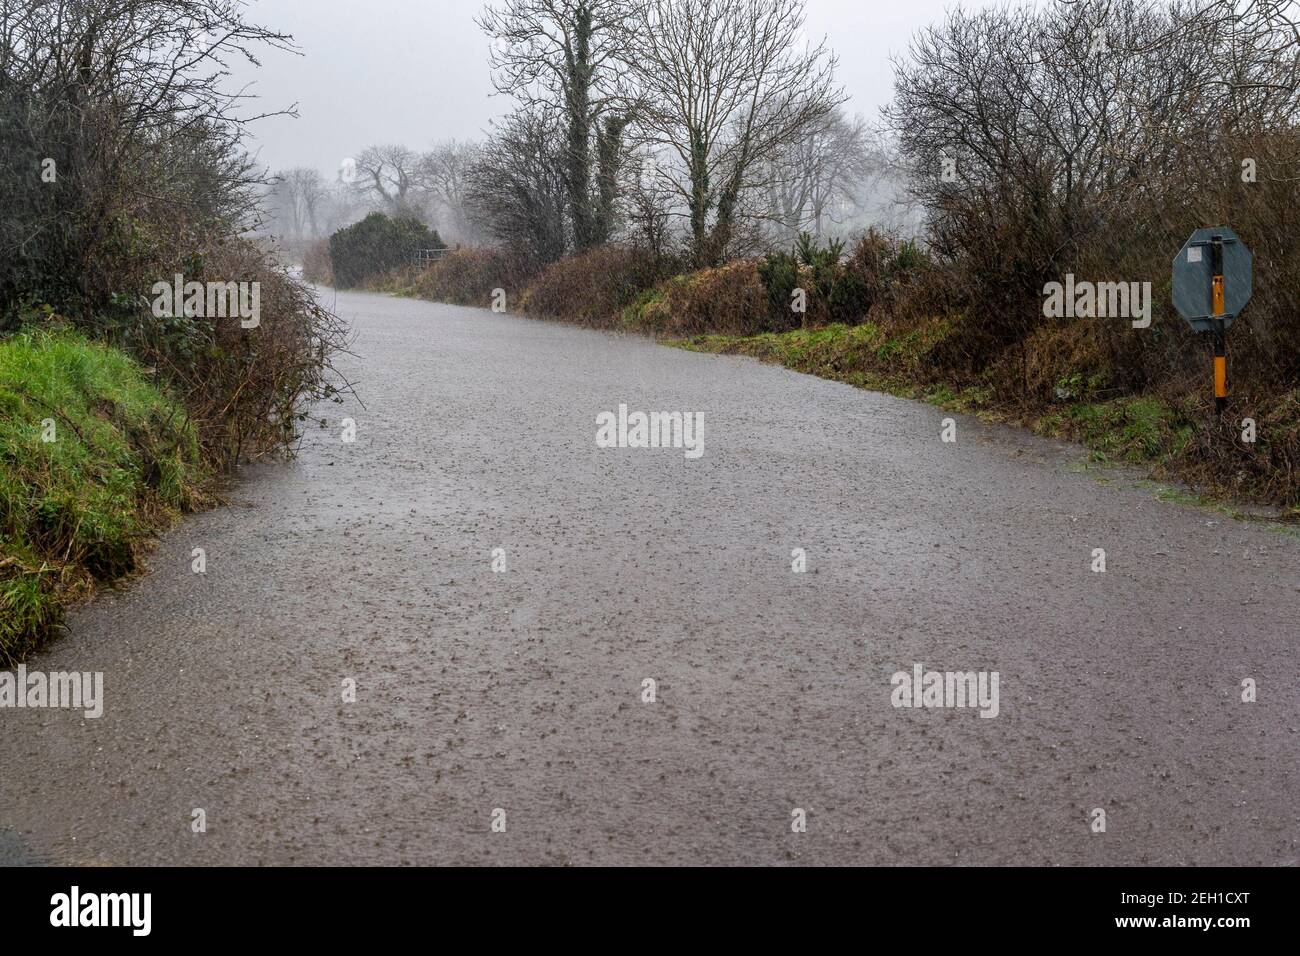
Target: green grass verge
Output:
[(93, 460), (1136, 429), (862, 355)]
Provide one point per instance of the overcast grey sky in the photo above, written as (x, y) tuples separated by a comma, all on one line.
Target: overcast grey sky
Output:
[(415, 71)]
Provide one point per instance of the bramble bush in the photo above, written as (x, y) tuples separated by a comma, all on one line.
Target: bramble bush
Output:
[(471, 276), (595, 287)]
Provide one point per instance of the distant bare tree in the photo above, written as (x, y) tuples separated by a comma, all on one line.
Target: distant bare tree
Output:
[(725, 88), (445, 172), (342, 206), (395, 177), (648, 203), (820, 175), (298, 196)]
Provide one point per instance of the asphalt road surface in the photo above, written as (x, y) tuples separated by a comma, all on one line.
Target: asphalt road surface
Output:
[(518, 695)]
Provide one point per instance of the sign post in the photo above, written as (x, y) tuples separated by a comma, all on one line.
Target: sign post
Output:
[(1213, 281)]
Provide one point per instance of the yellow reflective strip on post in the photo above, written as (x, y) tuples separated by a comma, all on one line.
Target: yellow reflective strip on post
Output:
[(1218, 295), (1220, 376)]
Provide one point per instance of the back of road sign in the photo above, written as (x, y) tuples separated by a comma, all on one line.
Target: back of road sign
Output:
[(1193, 292)]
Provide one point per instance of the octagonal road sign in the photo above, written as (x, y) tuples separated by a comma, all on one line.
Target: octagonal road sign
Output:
[(1212, 278)]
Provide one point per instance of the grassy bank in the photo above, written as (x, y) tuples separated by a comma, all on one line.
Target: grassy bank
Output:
[(94, 458), (1149, 430)]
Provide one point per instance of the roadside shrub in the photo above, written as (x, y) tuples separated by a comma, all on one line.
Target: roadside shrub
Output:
[(246, 390), (316, 264), (1021, 210), (470, 276), (836, 291), (376, 245), (886, 270), (594, 287), (1064, 362), (728, 299), (145, 157), (399, 281), (779, 273), (1268, 468), (850, 297)]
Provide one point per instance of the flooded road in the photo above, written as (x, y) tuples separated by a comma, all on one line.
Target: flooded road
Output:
[(520, 696)]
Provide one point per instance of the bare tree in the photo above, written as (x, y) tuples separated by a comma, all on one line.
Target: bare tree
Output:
[(568, 54), (1087, 136), (725, 88), (517, 188), (117, 112)]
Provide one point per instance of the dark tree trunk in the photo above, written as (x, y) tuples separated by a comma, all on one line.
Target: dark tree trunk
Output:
[(609, 157), (577, 104)]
